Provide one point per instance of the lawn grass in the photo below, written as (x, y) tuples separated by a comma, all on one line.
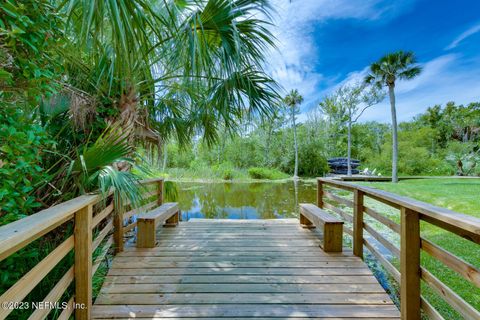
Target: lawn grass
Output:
[(457, 194), (460, 195)]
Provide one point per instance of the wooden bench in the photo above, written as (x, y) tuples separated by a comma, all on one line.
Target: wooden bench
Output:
[(313, 216), (167, 214)]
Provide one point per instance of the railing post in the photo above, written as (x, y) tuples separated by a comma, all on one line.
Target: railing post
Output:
[(83, 262), (118, 230), (160, 192), (319, 194), (410, 265), (358, 223)]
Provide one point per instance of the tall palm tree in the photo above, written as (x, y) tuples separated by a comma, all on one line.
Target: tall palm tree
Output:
[(385, 72), (293, 100)]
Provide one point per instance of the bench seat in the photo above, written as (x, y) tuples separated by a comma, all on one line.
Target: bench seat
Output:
[(313, 216), (167, 215)]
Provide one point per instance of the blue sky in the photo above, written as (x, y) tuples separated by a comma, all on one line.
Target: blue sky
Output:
[(325, 43)]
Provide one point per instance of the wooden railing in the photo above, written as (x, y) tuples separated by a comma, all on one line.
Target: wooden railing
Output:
[(97, 226), (411, 213)]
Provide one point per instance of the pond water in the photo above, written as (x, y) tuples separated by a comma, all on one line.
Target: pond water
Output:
[(237, 200)]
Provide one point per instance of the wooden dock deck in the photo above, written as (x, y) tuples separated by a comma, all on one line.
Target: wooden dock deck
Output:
[(240, 269)]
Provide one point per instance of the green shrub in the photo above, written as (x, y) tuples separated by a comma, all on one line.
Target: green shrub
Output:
[(179, 158), (30, 33), (21, 171), (266, 173), (227, 174), (225, 171), (415, 156), (312, 163)]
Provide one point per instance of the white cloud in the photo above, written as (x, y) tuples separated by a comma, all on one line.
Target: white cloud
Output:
[(293, 65), (353, 78), (432, 74), (469, 32)]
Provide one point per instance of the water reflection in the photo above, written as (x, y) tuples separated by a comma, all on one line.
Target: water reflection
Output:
[(234, 200)]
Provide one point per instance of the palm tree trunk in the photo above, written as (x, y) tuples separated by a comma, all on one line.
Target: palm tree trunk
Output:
[(349, 148), (391, 92), (267, 146), (295, 173), (165, 158)]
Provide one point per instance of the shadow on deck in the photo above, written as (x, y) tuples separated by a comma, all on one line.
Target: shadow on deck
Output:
[(240, 269)]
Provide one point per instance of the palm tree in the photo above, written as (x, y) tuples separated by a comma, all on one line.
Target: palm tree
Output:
[(171, 67), (385, 72), (292, 100)]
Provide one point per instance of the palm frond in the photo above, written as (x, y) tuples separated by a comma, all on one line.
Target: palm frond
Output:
[(398, 65), (95, 168)]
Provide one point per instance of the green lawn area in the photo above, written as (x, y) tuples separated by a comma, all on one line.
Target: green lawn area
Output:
[(457, 194), (460, 195)]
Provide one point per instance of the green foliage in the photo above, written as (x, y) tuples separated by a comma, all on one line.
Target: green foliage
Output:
[(225, 171), (98, 167), (415, 155), (22, 143), (312, 161), (29, 34), (266, 173), (179, 158), (463, 157), (200, 169), (242, 153), (453, 121)]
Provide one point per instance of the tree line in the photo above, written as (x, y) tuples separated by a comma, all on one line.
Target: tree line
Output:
[(443, 140)]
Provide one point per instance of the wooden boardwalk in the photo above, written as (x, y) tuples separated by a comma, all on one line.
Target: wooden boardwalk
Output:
[(240, 269)]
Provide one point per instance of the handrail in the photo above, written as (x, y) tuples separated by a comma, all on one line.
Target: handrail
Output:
[(85, 240), (20, 233), (411, 212), (439, 216)]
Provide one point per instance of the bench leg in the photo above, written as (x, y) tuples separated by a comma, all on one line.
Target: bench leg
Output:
[(333, 237), (305, 222), (146, 237), (173, 220)]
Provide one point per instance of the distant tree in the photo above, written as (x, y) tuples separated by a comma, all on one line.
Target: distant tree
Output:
[(336, 118), (293, 100), (385, 72), (355, 99)]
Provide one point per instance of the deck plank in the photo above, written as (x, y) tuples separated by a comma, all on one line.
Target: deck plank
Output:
[(243, 288), (243, 298), (252, 311), (224, 269), (234, 279)]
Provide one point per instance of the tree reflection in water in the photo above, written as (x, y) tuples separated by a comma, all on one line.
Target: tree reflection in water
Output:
[(236, 200)]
